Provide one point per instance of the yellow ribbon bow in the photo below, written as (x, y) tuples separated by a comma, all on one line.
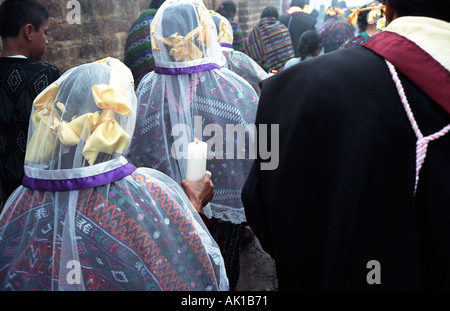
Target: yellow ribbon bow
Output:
[(108, 136), (224, 33), (376, 11), (183, 47), (334, 12), (101, 132), (42, 142)]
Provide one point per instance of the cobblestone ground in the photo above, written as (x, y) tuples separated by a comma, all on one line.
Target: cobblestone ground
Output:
[(258, 271)]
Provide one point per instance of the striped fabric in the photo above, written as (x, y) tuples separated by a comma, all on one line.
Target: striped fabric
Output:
[(138, 48), (336, 30), (238, 38), (270, 45)]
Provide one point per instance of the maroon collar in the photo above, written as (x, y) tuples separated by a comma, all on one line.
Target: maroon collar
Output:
[(422, 69)]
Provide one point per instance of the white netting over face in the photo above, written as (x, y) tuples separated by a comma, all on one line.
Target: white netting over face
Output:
[(224, 31), (184, 35), (86, 117)]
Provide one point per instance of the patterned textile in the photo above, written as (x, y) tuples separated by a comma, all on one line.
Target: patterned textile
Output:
[(356, 41), (21, 81), (238, 38), (247, 68), (231, 101), (138, 48), (270, 45), (121, 245), (336, 30)]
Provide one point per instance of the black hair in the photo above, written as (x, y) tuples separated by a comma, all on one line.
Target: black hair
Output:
[(156, 4), (439, 9), (362, 18), (227, 9), (299, 3), (309, 42), (270, 11), (14, 14)]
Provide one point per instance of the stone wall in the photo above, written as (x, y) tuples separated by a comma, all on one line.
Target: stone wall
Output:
[(105, 24), (102, 32)]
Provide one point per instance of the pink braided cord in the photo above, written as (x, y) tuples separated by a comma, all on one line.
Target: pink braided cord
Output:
[(422, 142)]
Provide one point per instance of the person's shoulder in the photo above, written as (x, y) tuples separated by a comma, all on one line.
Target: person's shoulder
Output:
[(234, 78), (304, 16), (50, 68), (31, 65), (333, 68), (292, 62)]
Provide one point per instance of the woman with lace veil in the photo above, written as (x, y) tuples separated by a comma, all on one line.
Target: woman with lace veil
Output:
[(238, 62), (86, 219), (189, 95)]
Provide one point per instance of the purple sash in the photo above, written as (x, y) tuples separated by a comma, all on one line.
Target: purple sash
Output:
[(186, 70), (226, 45), (61, 185)]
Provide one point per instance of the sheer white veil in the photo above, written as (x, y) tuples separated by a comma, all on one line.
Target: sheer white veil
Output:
[(80, 193), (190, 95)]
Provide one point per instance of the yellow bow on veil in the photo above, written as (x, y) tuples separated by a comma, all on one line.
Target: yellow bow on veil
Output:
[(101, 132), (224, 33), (108, 136), (42, 142), (183, 47)]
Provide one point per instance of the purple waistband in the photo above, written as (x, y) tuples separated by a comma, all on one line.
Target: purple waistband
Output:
[(226, 45), (62, 185), (186, 70)]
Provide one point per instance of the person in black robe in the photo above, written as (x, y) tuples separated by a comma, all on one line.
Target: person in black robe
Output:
[(298, 22), (360, 197), (23, 28)]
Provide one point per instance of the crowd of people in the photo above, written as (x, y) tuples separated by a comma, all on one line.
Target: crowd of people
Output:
[(94, 160)]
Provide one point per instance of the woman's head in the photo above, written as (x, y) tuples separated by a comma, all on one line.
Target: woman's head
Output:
[(299, 3), (367, 15), (227, 8), (183, 32), (310, 44), (88, 113), (224, 30), (439, 9), (270, 11)]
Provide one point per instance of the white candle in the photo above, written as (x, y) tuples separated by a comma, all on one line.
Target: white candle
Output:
[(196, 160)]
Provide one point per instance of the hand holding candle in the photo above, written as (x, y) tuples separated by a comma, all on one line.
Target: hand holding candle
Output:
[(196, 160)]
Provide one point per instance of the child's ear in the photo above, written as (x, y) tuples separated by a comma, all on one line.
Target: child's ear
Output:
[(28, 30)]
